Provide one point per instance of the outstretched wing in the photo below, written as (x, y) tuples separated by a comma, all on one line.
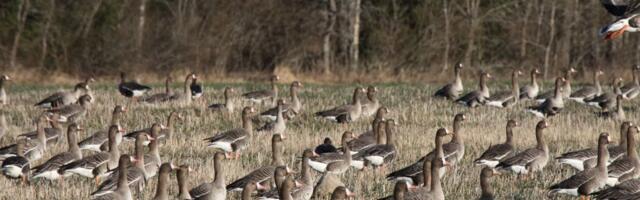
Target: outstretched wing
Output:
[(620, 8)]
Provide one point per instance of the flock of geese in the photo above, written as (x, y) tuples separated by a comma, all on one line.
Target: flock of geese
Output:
[(605, 172)]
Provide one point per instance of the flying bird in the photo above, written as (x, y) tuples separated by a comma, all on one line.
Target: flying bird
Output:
[(628, 18)]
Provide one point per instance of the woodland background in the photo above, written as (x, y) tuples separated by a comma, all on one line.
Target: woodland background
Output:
[(395, 38)]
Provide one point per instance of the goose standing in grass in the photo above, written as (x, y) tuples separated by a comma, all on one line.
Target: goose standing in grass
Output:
[(290, 109), (496, 153), (261, 96), (478, 97), (632, 89), (39, 146), (454, 149), (136, 176), (195, 87), (384, 154), (617, 114), (248, 190), (162, 189), (152, 160), (586, 158), (228, 105), (531, 91), (185, 96), (53, 133), (279, 177), (627, 167), (183, 182), (606, 101), (17, 166), (64, 98), (415, 169), (345, 113), (335, 162), (626, 190), (435, 191), (279, 126), (566, 87), (423, 179), (95, 165), (532, 159), (451, 91), (284, 193), (98, 139), (507, 98), (368, 138), (627, 20), (306, 180), (342, 193), (49, 169), (371, 104), (131, 89), (122, 191), (551, 106), (73, 113), (588, 91), (263, 174), (161, 96), (166, 132), (485, 185), (4, 98), (234, 140), (214, 190), (586, 182)]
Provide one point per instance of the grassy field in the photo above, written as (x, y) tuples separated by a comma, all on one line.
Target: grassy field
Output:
[(417, 114)]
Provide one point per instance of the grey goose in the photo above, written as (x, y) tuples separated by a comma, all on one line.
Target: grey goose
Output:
[(17, 166), (99, 138), (530, 160), (588, 91), (162, 188), (4, 98), (452, 90), (262, 95), (216, 189), (627, 167), (64, 98), (371, 104), (121, 191), (531, 90), (416, 168), (606, 100), (291, 109), (551, 106), (263, 174), (586, 158), (496, 153), (345, 113), (49, 169), (566, 87), (505, 99), (72, 113), (161, 96), (632, 89), (228, 105), (234, 140), (477, 97)]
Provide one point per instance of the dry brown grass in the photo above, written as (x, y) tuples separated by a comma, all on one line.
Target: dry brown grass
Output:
[(416, 112)]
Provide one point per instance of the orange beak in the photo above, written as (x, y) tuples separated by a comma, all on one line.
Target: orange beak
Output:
[(616, 34)]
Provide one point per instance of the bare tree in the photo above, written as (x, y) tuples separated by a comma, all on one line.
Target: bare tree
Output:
[(355, 39), (140, 31), (552, 36), (45, 33), (21, 17), (472, 11), (447, 33), (330, 18)]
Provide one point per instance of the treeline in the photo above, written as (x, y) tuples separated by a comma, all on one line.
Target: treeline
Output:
[(310, 36)]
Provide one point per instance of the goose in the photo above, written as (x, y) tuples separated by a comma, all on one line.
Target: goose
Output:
[(358, 159), (122, 191), (99, 138), (551, 106), (454, 150), (589, 91), (306, 180), (152, 160), (195, 87), (566, 88), (165, 132), (53, 134), (262, 95), (325, 147), (234, 140), (183, 182), (49, 169), (342, 193), (279, 126), (496, 153), (451, 91), (586, 158), (95, 165), (284, 193), (185, 96), (381, 155), (3, 126), (507, 98), (407, 173), (424, 179), (64, 98), (531, 91), (72, 113), (136, 176), (627, 18), (131, 89), (339, 161), (335, 163), (627, 167), (606, 100), (17, 166), (279, 177), (161, 96), (478, 97), (228, 105), (530, 160), (290, 109), (162, 189), (345, 113), (368, 138), (485, 186), (632, 89), (248, 190), (214, 190), (326, 185), (39, 146), (371, 104), (4, 98), (617, 114), (265, 173), (435, 191), (588, 181), (625, 190)]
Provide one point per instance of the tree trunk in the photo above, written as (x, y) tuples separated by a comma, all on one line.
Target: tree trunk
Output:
[(447, 32), (45, 33), (355, 39), (140, 32), (564, 41), (523, 36), (21, 20), (552, 34), (330, 18), (473, 7)]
